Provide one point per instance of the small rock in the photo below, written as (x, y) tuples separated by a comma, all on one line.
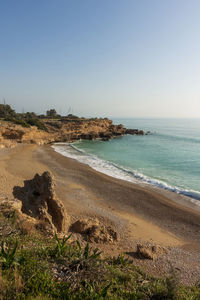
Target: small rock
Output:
[(150, 251), (96, 232), (102, 234), (84, 225)]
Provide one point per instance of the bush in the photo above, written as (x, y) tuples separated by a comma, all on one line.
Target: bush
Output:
[(6, 111), (36, 122), (71, 116), (21, 122), (28, 123)]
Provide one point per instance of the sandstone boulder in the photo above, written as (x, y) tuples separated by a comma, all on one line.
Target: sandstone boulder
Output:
[(40, 202), (150, 251), (95, 231), (84, 225), (102, 234)]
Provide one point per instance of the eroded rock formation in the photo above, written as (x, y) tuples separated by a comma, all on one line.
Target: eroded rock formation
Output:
[(40, 202)]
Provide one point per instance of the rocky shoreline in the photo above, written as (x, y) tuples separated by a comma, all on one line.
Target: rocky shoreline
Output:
[(62, 130)]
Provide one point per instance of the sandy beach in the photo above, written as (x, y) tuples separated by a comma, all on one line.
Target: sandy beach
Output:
[(139, 214)]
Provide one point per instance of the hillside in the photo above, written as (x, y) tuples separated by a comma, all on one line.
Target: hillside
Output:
[(60, 130)]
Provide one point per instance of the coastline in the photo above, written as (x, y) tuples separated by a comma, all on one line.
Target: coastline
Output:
[(138, 213), (187, 198), (150, 203)]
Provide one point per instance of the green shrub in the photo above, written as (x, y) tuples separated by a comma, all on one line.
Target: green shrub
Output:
[(36, 122), (6, 111), (22, 122), (28, 122)]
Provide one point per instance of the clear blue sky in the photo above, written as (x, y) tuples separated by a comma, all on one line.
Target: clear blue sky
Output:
[(118, 58)]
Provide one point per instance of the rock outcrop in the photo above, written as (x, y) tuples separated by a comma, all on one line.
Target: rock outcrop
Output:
[(95, 231), (150, 251), (11, 134), (62, 130), (40, 202)]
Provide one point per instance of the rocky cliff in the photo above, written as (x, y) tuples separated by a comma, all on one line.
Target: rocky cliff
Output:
[(62, 130)]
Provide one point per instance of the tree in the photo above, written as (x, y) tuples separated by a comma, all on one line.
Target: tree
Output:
[(6, 111), (30, 115), (51, 113), (71, 116)]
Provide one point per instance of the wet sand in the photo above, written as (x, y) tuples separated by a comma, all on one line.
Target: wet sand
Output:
[(139, 214)]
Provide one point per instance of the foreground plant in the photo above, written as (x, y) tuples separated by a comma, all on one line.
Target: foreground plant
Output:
[(85, 256), (8, 256), (61, 245), (102, 294)]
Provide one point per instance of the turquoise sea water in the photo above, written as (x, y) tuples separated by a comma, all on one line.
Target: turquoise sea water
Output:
[(169, 157)]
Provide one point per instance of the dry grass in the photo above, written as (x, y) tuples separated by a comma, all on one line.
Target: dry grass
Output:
[(18, 281), (26, 227)]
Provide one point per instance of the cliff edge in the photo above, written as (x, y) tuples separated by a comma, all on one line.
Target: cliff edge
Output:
[(61, 130)]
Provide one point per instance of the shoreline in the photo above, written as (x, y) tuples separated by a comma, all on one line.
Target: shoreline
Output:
[(158, 207), (179, 196), (137, 213), (148, 202)]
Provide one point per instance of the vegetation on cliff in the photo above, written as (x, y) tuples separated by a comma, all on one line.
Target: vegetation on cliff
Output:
[(30, 118), (42, 122), (34, 266), (24, 119), (6, 111), (18, 128)]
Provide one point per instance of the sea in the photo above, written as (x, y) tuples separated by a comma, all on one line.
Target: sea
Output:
[(168, 157)]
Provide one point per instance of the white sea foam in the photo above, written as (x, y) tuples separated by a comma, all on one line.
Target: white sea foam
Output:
[(94, 162), (113, 170)]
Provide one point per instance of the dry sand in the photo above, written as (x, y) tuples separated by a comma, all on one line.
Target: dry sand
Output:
[(139, 214)]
